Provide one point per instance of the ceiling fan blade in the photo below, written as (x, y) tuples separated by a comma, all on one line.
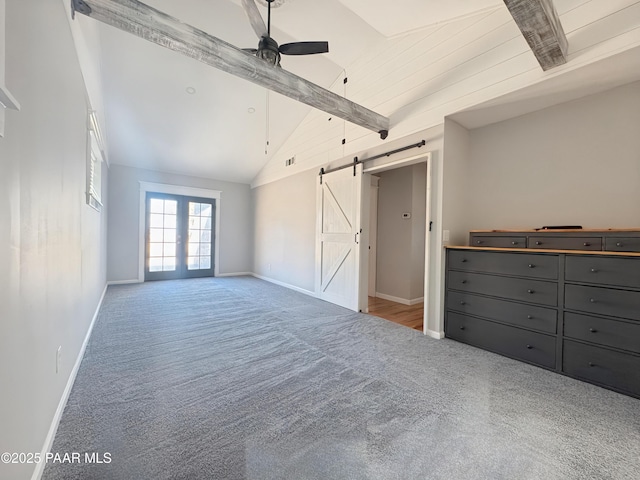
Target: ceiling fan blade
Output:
[(304, 48), (255, 18)]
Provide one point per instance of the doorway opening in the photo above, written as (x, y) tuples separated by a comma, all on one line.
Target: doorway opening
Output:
[(179, 236), (343, 234), (398, 243)]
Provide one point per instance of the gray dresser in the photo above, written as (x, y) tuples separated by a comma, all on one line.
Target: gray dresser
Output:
[(574, 312)]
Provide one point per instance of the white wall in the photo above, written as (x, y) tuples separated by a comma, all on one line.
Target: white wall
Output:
[(456, 197), (394, 233), (124, 227), (285, 230), (52, 245), (400, 258), (575, 163)]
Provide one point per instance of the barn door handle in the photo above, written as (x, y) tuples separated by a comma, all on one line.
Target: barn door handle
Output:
[(355, 238)]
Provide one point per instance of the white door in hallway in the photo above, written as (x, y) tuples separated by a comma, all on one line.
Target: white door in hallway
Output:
[(339, 237)]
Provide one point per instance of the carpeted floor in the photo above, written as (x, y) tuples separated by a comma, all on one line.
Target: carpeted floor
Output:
[(236, 378)]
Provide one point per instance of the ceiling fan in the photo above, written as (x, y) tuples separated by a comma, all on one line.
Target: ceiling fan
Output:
[(146, 22), (268, 48)]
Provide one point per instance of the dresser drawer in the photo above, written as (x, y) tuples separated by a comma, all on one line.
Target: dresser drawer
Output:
[(602, 366), (518, 314), (498, 241), (603, 301), (603, 331), (623, 272), (511, 263), (622, 244), (523, 289), (531, 347), (566, 243)]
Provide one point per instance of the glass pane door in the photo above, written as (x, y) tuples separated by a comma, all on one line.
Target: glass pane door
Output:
[(179, 237), (199, 247), (163, 224)]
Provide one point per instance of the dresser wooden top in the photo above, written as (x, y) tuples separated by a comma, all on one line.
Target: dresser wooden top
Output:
[(542, 250), (568, 230)]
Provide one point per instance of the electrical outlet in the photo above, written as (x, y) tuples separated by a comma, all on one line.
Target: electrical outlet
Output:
[(406, 215), (58, 358), (445, 235)]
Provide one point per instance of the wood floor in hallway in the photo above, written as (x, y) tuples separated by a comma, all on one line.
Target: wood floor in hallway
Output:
[(408, 315)]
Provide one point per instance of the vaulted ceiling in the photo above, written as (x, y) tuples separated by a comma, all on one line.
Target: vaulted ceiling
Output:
[(167, 112)]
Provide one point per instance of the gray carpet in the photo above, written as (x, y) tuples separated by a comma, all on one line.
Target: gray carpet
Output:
[(236, 378)]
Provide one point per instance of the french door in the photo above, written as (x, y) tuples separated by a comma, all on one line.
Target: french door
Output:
[(179, 236)]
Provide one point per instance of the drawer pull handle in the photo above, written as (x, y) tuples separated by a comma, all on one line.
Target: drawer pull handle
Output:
[(530, 291), (514, 243), (464, 281), (592, 300), (591, 364), (464, 260), (463, 302), (529, 317), (462, 328), (586, 244), (479, 242), (538, 243), (594, 270), (593, 330), (531, 265), (619, 244), (529, 347)]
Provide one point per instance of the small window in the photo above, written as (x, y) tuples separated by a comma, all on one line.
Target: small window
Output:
[(7, 101), (94, 164)]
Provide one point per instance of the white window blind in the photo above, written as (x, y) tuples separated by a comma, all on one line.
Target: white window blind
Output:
[(94, 164)]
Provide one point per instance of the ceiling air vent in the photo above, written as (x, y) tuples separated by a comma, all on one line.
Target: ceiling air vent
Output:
[(290, 161)]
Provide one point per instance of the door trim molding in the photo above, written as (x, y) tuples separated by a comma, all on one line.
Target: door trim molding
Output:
[(176, 190)]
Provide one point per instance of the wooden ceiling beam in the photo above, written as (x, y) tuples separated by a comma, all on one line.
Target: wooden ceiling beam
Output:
[(540, 25), (155, 26)]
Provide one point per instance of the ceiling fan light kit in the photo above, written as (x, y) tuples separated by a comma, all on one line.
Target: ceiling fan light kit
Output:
[(157, 27), (268, 51)]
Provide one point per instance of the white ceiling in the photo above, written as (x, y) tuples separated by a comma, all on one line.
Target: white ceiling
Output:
[(621, 69), (392, 18), (152, 122)]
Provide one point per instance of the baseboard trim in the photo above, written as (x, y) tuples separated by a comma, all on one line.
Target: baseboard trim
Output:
[(434, 334), (48, 441), (286, 285), (403, 301), (123, 282), (236, 274)]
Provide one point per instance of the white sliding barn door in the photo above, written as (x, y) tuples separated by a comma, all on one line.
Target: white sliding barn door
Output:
[(339, 238)]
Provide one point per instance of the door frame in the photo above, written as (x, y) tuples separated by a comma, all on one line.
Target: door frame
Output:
[(181, 270), (184, 191), (405, 162), (373, 234)]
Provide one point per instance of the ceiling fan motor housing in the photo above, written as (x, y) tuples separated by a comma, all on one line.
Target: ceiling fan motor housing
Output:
[(268, 50)]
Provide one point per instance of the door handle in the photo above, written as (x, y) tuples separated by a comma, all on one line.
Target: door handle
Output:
[(355, 238)]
